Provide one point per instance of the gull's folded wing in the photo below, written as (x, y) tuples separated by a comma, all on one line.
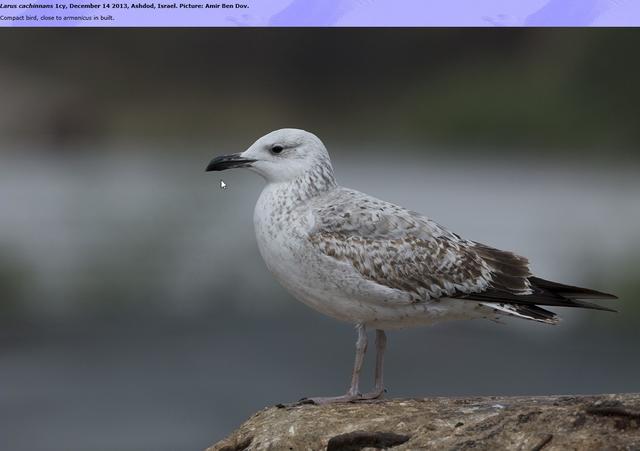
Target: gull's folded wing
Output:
[(401, 249)]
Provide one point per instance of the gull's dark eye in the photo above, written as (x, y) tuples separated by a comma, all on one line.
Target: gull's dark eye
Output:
[(277, 149)]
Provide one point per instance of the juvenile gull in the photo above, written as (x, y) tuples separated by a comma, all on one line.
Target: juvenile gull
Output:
[(374, 264)]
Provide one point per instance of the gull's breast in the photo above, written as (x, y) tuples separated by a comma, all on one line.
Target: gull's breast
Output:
[(282, 237)]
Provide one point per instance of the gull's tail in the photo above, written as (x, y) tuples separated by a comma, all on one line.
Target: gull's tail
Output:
[(532, 312), (544, 293)]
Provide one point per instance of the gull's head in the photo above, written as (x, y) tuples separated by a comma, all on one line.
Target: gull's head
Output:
[(280, 156)]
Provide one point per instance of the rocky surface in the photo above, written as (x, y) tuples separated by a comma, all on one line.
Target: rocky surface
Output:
[(602, 422)]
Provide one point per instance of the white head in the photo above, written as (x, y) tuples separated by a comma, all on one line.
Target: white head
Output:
[(280, 156)]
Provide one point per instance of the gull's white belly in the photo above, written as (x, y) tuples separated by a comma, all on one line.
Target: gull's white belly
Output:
[(333, 287)]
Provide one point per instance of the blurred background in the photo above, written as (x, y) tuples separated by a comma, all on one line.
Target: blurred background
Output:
[(135, 310)]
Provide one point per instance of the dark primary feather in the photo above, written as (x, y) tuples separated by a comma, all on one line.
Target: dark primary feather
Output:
[(538, 297), (569, 290), (510, 273)]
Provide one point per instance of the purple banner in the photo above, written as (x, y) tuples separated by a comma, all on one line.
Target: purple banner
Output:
[(333, 13)]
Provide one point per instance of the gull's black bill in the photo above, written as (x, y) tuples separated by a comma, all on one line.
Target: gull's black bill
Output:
[(228, 162)]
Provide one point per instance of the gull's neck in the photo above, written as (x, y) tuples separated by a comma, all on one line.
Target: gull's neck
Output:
[(311, 184)]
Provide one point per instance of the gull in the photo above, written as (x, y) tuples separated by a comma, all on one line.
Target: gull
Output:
[(377, 265)]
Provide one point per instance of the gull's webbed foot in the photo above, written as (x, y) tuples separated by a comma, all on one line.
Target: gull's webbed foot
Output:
[(342, 399), (321, 400), (374, 394)]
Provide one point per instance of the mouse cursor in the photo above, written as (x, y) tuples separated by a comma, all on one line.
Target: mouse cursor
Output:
[(223, 185)]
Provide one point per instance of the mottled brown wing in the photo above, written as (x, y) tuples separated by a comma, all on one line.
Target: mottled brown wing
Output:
[(401, 249), (426, 269)]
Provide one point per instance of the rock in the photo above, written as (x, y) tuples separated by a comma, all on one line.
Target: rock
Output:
[(488, 423)]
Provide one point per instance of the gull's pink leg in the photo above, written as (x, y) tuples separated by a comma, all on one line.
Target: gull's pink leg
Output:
[(381, 344), (352, 394)]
